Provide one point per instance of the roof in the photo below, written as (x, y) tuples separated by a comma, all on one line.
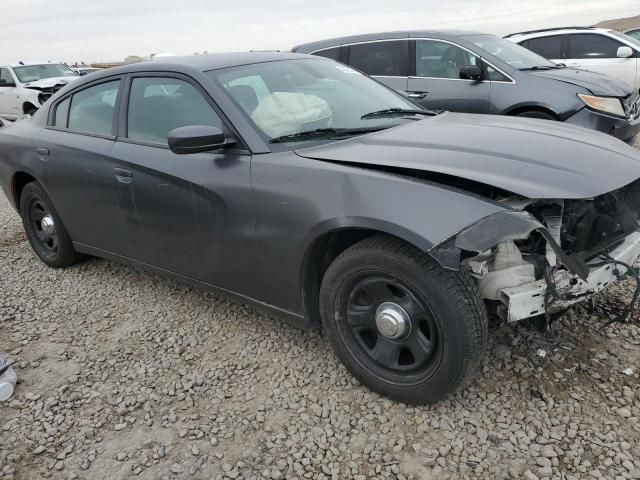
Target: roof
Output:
[(214, 61), (552, 31), (28, 63), (334, 42)]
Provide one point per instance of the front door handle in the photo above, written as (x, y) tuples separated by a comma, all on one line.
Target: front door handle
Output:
[(417, 95), (123, 175)]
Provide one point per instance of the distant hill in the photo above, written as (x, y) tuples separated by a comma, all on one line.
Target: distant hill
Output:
[(621, 24)]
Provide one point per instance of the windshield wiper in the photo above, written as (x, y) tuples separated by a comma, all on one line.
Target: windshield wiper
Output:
[(324, 133), (391, 112), (538, 67)]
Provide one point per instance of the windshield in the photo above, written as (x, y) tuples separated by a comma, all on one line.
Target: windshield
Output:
[(631, 37), (509, 52), (293, 96), (33, 73)]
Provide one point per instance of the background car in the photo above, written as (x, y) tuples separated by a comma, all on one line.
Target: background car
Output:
[(303, 187), (634, 32), (82, 71), (478, 73), (24, 86), (595, 49)]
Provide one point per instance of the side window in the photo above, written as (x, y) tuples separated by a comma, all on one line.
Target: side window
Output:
[(591, 45), (547, 47), (435, 59), (92, 109), (332, 53), (381, 58), (158, 105), (495, 75), (5, 77), (62, 114)]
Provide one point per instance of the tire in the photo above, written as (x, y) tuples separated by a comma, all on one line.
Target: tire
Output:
[(51, 242), (537, 114), (30, 109), (442, 307)]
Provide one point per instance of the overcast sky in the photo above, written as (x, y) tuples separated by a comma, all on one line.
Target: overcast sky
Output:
[(109, 30)]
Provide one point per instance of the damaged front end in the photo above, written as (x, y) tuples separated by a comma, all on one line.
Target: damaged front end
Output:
[(45, 93), (541, 256)]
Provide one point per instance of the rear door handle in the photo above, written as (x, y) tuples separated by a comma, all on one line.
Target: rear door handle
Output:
[(417, 95), (43, 153), (123, 175)]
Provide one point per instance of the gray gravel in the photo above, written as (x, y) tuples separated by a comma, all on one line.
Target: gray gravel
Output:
[(126, 374)]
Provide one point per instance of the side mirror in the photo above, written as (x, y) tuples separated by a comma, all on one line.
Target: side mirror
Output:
[(471, 72), (625, 52), (4, 83), (196, 139)]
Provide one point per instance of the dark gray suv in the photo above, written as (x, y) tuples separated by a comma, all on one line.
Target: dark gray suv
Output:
[(478, 73)]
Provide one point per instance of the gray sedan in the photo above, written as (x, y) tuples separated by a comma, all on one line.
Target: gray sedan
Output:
[(303, 187), (477, 73)]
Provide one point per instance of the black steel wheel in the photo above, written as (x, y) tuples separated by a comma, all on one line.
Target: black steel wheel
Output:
[(403, 325), (46, 232)]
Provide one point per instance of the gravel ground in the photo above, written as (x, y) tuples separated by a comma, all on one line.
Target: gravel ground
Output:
[(127, 374)]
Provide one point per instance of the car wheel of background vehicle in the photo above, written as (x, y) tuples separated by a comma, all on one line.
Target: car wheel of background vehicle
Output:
[(403, 325), (537, 114), (45, 230), (30, 109)]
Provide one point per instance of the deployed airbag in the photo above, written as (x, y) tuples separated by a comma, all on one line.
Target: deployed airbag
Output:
[(285, 113)]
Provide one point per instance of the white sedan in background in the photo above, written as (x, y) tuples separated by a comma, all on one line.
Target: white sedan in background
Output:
[(24, 86)]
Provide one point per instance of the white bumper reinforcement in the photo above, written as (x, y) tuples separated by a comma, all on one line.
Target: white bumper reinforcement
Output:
[(525, 301)]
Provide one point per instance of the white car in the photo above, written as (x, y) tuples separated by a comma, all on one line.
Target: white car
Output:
[(597, 49), (24, 86)]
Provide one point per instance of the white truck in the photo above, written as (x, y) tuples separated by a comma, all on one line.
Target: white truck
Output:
[(25, 86)]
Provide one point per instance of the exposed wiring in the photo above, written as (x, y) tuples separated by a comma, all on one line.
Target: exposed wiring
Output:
[(550, 295)]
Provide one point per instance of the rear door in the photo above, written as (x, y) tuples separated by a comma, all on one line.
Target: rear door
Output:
[(385, 60), (551, 47), (437, 84), (74, 150), (599, 53), (187, 214)]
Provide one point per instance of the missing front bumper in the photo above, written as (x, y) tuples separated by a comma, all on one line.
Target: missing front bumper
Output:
[(525, 301)]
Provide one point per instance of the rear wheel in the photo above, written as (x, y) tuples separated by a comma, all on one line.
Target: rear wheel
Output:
[(537, 114), (400, 323), (46, 232)]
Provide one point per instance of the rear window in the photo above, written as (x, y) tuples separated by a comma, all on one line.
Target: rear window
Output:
[(548, 47), (388, 59)]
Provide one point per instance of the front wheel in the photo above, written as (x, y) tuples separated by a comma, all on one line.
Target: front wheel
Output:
[(536, 114), (400, 323)]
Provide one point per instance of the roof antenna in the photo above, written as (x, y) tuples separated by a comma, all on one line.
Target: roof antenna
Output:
[(21, 62)]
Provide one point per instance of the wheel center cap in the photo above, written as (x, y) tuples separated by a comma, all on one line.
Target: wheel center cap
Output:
[(392, 320), (48, 225)]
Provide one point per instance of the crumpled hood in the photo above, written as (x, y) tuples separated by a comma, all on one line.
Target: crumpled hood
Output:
[(50, 82), (596, 83), (530, 157)]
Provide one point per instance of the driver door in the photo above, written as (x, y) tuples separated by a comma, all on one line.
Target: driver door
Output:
[(9, 104), (437, 84), (189, 214)]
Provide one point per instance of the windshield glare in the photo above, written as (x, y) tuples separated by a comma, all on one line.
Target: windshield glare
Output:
[(509, 52), (33, 73), (293, 96)]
